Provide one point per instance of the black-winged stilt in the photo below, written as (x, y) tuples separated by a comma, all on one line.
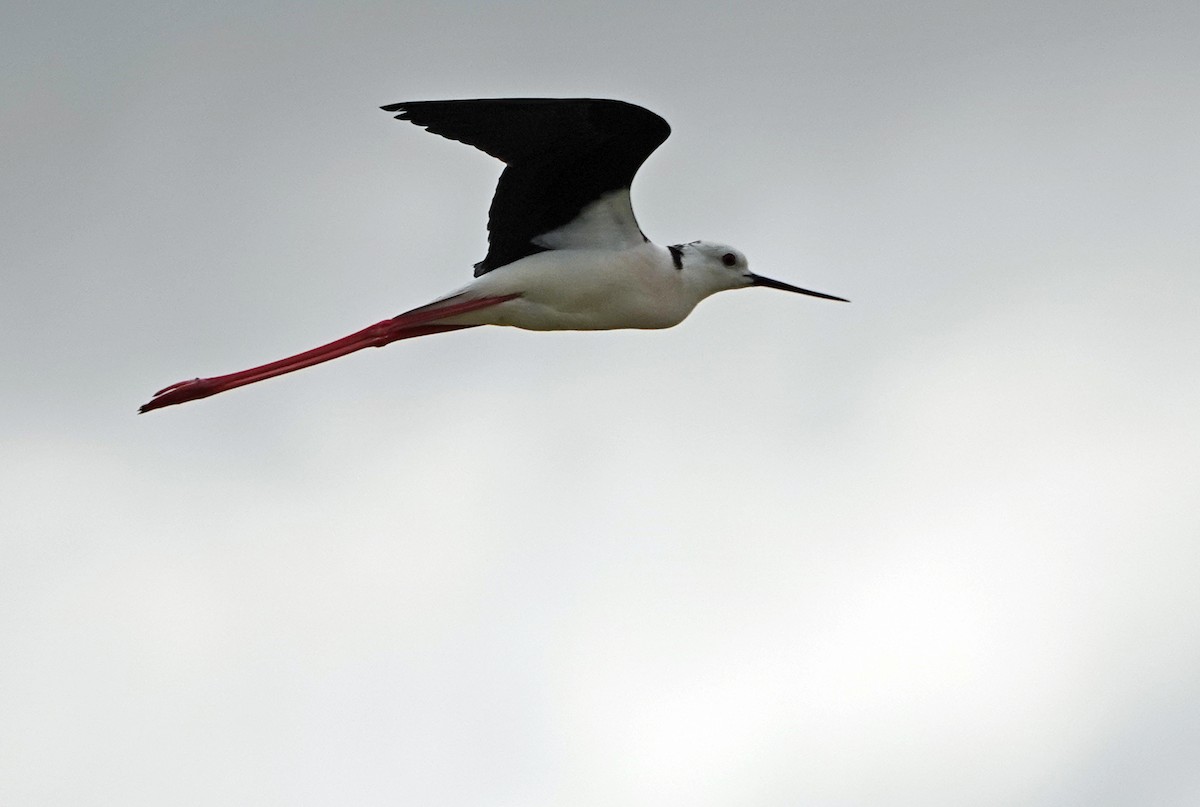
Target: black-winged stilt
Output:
[(564, 249)]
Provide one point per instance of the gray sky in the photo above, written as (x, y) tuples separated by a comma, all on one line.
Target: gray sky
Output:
[(936, 547)]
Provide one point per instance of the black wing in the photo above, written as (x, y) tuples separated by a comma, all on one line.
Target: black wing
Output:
[(561, 155)]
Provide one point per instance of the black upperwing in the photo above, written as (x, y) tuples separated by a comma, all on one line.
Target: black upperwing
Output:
[(561, 154)]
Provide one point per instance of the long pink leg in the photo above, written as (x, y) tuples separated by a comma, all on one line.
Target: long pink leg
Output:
[(418, 322)]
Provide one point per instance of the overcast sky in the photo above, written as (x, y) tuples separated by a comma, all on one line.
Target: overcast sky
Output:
[(936, 547)]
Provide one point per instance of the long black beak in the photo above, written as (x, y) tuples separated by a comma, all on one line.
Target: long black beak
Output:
[(759, 280)]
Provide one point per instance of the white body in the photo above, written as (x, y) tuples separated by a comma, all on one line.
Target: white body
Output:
[(587, 290), (600, 273)]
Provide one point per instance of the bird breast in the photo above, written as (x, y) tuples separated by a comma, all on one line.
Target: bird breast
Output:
[(587, 290)]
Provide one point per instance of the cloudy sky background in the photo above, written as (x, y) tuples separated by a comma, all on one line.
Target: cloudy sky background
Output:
[(936, 547)]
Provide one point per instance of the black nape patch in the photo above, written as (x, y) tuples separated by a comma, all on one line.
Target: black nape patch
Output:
[(677, 255)]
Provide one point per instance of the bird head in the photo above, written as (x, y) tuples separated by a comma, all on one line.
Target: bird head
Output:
[(710, 267)]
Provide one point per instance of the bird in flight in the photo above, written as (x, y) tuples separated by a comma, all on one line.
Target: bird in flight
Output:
[(565, 252)]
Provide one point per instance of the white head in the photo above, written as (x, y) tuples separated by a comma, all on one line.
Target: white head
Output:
[(709, 267)]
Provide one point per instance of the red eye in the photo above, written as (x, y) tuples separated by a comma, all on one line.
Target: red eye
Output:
[(729, 259)]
